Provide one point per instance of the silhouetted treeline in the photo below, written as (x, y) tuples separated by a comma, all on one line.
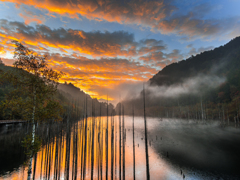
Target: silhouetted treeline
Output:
[(78, 97), (222, 61)]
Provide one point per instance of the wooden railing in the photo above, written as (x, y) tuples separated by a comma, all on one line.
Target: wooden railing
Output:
[(11, 121)]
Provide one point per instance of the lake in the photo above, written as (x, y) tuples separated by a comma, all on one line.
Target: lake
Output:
[(85, 149)]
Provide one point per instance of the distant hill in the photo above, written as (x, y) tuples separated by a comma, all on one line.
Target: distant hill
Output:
[(222, 61), (76, 94), (71, 89), (73, 92)]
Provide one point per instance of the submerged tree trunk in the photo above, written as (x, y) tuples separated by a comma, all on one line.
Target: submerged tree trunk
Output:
[(202, 109), (123, 143), (134, 176), (120, 138), (112, 146), (107, 144), (85, 142), (146, 138), (93, 129)]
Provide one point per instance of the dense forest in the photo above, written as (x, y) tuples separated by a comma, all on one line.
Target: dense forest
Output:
[(205, 86)]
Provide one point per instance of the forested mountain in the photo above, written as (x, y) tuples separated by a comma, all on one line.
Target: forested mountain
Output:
[(205, 86), (222, 61), (71, 98)]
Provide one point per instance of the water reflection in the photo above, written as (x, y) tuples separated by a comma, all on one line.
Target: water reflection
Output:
[(100, 147), (11, 151)]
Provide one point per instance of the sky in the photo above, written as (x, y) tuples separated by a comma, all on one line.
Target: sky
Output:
[(108, 48)]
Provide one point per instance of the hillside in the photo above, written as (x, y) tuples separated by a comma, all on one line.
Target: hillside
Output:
[(205, 86), (75, 94), (71, 98), (222, 61)]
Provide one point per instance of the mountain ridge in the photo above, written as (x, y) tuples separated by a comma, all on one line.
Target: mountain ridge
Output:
[(201, 63), (205, 86)]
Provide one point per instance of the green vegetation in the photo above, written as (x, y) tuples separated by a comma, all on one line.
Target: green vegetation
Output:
[(27, 90), (54, 101)]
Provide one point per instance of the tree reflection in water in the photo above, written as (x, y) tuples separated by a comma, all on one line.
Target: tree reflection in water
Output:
[(78, 150)]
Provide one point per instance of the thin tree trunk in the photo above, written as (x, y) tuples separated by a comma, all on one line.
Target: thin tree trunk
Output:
[(107, 144), (123, 143), (202, 108), (85, 145), (101, 144), (134, 176), (112, 147), (76, 152), (35, 163), (120, 138), (68, 141), (93, 129), (115, 142), (146, 138)]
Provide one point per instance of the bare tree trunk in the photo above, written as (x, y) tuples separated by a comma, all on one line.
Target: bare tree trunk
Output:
[(85, 144), (115, 124), (223, 115), (146, 138), (93, 129), (102, 151), (67, 159), (76, 152), (112, 147), (82, 146), (101, 145), (120, 138), (202, 109), (107, 144), (134, 176), (123, 143), (35, 163)]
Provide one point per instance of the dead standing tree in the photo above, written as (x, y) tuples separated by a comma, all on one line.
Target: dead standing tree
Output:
[(146, 138)]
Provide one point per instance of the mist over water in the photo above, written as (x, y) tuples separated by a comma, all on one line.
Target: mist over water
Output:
[(204, 147), (195, 85), (198, 149)]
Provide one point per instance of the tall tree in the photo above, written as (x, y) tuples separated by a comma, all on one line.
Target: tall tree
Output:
[(34, 86), (37, 84)]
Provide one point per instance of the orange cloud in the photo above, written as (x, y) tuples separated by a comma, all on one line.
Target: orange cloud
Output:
[(30, 16), (135, 11), (118, 43), (95, 44), (158, 15), (2, 51), (31, 19), (97, 77)]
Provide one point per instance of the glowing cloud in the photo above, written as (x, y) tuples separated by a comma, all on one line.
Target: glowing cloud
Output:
[(158, 15)]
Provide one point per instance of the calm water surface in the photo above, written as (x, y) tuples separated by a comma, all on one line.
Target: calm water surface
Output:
[(199, 150)]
